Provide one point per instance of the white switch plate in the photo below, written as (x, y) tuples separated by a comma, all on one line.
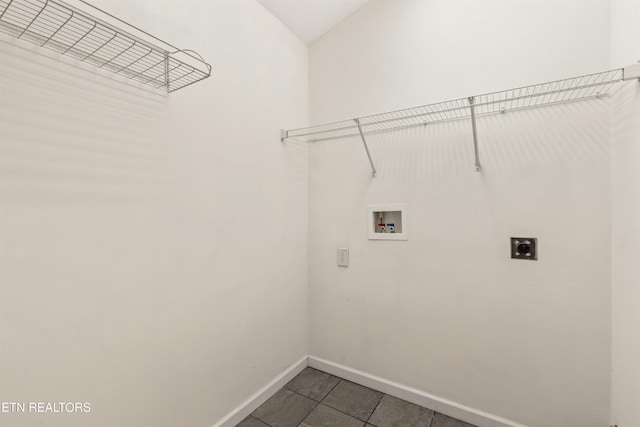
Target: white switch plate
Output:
[(343, 257)]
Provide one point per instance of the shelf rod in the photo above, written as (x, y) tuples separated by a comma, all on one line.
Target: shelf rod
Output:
[(462, 107), (34, 18), (421, 124), (166, 70), (458, 108), (185, 51), (126, 67), (475, 133), (148, 68), (115, 34), (5, 9), (130, 25), (81, 38), (119, 54), (366, 148), (93, 35), (59, 28)]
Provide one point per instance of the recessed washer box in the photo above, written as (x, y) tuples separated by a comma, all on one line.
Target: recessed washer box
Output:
[(388, 222)]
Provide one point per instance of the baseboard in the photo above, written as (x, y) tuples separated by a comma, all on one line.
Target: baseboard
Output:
[(410, 394), (261, 396), (401, 391)]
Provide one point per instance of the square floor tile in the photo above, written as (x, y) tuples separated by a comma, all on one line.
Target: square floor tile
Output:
[(353, 399), (393, 412), (284, 409), (324, 416), (252, 422), (442, 420), (313, 383)]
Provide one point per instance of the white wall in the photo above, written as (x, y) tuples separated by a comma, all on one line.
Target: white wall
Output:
[(448, 312), (153, 249), (625, 50)]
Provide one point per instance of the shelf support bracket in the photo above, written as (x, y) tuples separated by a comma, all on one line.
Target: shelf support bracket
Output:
[(284, 134), (475, 133), (166, 70), (366, 148)]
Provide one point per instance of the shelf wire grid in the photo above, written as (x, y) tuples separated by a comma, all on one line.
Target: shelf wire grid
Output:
[(559, 91), (68, 31)]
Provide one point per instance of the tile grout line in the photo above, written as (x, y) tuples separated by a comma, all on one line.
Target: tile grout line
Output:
[(264, 422), (319, 402), (255, 418), (336, 409), (340, 380), (332, 388), (343, 380), (300, 394), (374, 409), (312, 409)]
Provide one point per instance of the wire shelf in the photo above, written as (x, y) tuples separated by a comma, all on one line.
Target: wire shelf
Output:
[(77, 34), (572, 89)]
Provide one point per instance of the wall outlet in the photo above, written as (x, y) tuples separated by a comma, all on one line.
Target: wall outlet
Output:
[(343, 257), (524, 248)]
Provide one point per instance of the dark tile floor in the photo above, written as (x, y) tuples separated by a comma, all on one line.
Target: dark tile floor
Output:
[(317, 399)]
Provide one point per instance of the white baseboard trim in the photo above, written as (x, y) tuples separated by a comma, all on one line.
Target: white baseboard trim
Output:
[(410, 394), (251, 404)]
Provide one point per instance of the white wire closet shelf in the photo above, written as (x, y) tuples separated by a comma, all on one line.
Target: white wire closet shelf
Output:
[(559, 91), (79, 34), (572, 89)]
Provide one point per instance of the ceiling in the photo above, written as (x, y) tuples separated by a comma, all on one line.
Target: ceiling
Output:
[(310, 19)]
